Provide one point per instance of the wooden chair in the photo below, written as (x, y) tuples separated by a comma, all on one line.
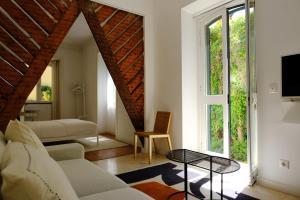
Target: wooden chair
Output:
[(161, 130)]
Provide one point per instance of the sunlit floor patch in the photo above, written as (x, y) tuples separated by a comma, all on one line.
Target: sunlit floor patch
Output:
[(90, 143)]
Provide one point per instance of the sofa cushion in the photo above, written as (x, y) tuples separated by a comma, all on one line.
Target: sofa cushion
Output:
[(87, 178), (66, 151), (29, 174), (19, 132), (123, 193)]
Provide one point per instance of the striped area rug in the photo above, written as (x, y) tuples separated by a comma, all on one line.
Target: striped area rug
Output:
[(167, 178)]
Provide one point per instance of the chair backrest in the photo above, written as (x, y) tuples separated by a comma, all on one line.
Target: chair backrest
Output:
[(162, 122)]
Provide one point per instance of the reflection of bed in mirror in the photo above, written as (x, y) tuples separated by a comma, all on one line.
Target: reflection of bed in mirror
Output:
[(63, 129)]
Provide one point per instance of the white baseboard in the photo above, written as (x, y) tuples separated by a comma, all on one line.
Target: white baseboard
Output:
[(278, 186)]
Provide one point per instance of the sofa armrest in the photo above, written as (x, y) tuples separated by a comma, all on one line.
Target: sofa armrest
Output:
[(66, 151)]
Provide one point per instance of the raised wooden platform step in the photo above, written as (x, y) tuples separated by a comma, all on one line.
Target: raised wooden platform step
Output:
[(109, 153)]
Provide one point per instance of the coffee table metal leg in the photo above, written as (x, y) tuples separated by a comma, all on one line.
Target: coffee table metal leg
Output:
[(221, 186), (211, 179), (185, 181)]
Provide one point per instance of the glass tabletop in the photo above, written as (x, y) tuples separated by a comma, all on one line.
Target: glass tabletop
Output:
[(185, 156), (219, 164)]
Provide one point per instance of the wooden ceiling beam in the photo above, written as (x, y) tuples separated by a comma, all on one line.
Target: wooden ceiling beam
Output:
[(127, 34), (3, 102), (9, 73), (60, 5), (134, 69), (5, 89), (97, 7), (129, 45), (131, 57), (114, 21), (35, 11), (134, 83), (140, 104), (15, 47), (37, 67), (18, 35), (104, 13), (138, 91), (10, 58), (50, 8), (23, 21), (110, 61), (121, 27)]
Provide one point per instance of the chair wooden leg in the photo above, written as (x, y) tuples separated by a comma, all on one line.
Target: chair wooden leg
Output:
[(169, 142), (135, 145), (150, 149), (154, 145)]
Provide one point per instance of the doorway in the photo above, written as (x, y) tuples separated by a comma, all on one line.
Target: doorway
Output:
[(224, 88)]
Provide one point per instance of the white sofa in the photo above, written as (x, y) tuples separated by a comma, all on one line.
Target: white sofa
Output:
[(89, 181)]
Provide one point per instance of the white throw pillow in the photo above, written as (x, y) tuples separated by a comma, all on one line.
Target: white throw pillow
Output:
[(29, 174), (19, 132)]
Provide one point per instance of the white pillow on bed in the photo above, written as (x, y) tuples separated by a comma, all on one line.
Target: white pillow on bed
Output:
[(29, 174), (19, 132)]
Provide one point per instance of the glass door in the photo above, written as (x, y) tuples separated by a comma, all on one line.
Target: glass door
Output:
[(224, 88), (238, 82), (215, 87)]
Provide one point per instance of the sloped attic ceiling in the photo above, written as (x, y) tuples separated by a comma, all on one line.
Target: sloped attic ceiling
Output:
[(31, 32)]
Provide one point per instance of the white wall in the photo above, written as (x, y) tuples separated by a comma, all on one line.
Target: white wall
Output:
[(168, 70), (70, 74), (277, 35), (190, 82), (125, 130), (89, 78)]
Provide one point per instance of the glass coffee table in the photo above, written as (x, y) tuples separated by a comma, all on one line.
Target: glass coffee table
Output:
[(213, 164)]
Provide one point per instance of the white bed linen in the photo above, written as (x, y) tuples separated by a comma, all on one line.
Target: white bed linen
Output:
[(62, 129)]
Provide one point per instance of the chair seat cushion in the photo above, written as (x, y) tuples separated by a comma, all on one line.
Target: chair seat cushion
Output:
[(123, 193), (87, 178)]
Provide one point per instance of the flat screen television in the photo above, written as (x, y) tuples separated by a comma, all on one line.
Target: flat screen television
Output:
[(291, 76)]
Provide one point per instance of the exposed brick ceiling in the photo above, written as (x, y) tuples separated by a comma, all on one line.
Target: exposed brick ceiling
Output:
[(32, 30)]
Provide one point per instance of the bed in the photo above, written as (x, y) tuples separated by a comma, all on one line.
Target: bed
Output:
[(63, 129)]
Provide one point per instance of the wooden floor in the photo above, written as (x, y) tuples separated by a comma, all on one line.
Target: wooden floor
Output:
[(109, 153)]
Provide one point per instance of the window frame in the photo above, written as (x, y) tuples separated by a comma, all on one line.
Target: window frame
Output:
[(38, 88), (204, 20)]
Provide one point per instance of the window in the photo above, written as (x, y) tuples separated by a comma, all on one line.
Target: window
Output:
[(43, 91), (224, 101), (215, 57), (110, 93)]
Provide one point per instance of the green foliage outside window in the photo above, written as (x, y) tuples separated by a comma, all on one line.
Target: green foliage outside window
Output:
[(216, 128), (216, 56), (46, 93)]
